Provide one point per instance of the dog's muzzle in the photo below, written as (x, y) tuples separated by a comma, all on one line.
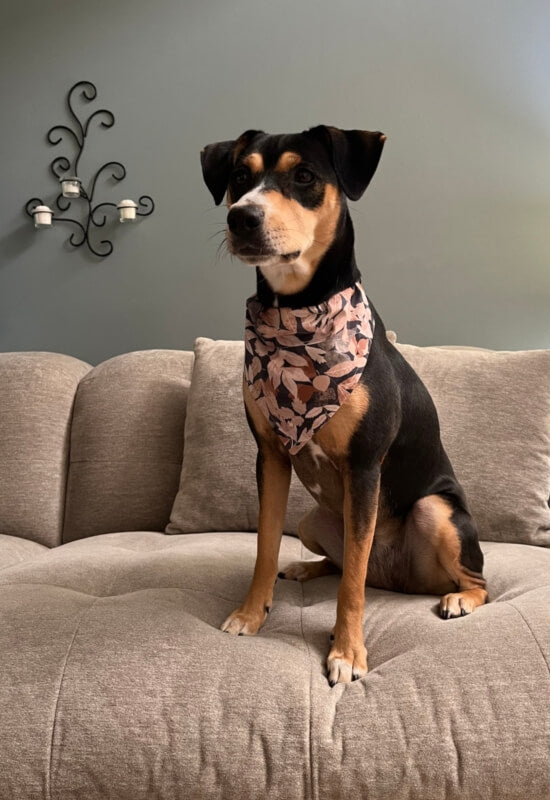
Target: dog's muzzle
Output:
[(247, 237), (245, 221)]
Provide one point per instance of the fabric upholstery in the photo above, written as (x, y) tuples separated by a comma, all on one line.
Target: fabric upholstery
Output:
[(117, 683), (494, 411), (36, 401), (218, 485), (14, 550), (127, 443)]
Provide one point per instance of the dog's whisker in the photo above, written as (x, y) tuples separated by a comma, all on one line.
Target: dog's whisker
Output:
[(212, 235), (210, 208), (220, 252)]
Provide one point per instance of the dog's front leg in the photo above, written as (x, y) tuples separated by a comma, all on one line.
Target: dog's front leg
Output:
[(273, 469), (347, 659)]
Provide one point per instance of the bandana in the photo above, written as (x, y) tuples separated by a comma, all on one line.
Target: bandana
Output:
[(302, 364)]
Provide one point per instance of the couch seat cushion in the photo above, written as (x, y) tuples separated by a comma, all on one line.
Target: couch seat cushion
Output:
[(118, 683), (14, 550)]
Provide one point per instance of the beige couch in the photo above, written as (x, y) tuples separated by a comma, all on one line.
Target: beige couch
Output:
[(116, 681)]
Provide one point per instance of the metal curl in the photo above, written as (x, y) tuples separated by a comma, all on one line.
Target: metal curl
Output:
[(102, 255), (108, 124), (63, 203), (92, 89), (78, 224), (145, 200), (31, 204), (62, 164), (93, 211), (89, 93), (65, 129), (118, 168)]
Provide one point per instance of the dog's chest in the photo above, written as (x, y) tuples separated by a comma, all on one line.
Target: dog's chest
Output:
[(320, 476)]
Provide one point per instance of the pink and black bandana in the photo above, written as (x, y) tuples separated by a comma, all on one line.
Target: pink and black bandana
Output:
[(302, 364)]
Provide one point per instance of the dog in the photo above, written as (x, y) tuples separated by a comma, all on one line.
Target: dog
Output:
[(390, 511)]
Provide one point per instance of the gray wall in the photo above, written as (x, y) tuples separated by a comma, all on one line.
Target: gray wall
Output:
[(453, 237)]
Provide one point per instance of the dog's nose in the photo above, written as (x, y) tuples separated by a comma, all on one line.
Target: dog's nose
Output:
[(245, 219)]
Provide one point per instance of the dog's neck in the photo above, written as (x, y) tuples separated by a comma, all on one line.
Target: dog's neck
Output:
[(336, 271)]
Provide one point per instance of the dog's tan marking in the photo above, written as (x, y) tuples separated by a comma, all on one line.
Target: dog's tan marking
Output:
[(254, 162), (287, 161), (347, 658), (431, 516), (326, 222), (276, 470), (295, 228), (335, 435)]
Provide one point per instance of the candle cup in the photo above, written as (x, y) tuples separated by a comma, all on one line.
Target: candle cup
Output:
[(42, 216), (127, 210), (70, 186)]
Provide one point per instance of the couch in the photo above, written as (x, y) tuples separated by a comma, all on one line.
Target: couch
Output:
[(116, 682)]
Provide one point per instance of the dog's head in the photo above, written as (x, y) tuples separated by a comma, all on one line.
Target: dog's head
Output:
[(286, 193)]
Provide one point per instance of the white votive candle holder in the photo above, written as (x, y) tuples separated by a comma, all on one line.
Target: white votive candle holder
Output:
[(70, 186), (42, 216), (127, 210)]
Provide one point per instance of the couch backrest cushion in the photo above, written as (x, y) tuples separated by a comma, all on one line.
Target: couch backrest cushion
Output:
[(494, 412), (218, 477), (37, 392), (127, 443)]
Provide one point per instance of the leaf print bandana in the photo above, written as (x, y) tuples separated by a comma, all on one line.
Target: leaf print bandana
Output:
[(302, 364)]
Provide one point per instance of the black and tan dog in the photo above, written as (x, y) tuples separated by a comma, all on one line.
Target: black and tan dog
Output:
[(390, 510)]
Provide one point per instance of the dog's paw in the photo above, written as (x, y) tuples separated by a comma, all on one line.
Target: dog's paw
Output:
[(344, 667), (457, 604), (306, 570), (242, 622)]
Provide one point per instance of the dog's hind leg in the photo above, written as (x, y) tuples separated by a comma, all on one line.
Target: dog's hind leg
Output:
[(322, 532), (446, 556)]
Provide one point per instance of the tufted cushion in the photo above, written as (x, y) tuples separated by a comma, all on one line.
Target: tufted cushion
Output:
[(218, 478), (37, 392), (118, 685), (127, 443)]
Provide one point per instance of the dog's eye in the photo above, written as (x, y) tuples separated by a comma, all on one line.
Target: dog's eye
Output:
[(240, 176), (303, 175)]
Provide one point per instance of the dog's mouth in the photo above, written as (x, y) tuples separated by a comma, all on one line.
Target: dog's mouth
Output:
[(258, 255), (290, 256)]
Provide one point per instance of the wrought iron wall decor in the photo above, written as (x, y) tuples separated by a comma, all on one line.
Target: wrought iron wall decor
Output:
[(72, 187)]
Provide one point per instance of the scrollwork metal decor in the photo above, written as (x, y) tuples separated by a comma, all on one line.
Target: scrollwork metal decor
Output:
[(66, 172)]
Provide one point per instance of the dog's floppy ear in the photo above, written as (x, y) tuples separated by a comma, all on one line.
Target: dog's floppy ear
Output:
[(217, 162), (355, 156)]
